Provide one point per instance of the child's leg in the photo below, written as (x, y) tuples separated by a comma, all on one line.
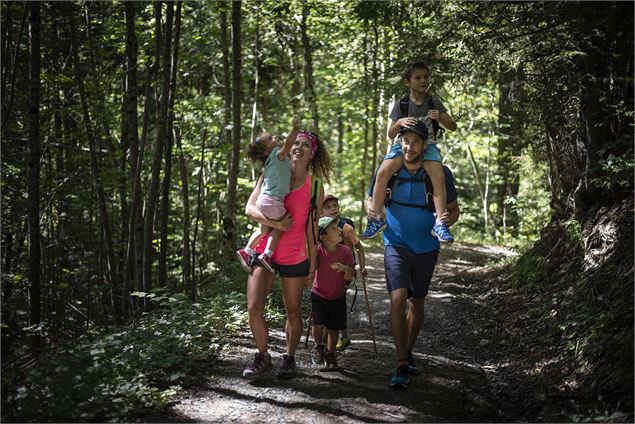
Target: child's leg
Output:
[(435, 170), (257, 236), (272, 242), (386, 170), (318, 334), (332, 341)]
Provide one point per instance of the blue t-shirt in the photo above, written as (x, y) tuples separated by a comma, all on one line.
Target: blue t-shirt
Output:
[(277, 179), (410, 227)]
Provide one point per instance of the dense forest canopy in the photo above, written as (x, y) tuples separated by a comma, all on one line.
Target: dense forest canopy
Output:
[(125, 127)]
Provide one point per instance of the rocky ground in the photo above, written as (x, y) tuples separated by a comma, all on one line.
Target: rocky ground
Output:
[(458, 381)]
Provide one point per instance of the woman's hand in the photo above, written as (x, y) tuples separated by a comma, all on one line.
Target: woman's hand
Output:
[(284, 224)]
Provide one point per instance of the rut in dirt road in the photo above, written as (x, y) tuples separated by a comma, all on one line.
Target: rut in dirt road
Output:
[(452, 385)]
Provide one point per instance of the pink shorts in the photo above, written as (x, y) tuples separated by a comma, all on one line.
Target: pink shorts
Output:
[(271, 206)]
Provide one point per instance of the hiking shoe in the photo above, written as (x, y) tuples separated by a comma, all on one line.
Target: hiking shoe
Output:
[(400, 379), (331, 362), (442, 232), (260, 365), (412, 367), (343, 343), (245, 259), (373, 227), (265, 260), (318, 355), (287, 367)]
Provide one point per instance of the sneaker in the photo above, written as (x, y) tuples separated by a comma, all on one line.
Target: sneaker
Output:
[(442, 232), (318, 355), (412, 367), (260, 365), (265, 260), (373, 227), (245, 259), (287, 367), (331, 362), (400, 379), (343, 343)]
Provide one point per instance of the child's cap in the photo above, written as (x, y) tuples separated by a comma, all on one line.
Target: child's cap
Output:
[(419, 128), (324, 222), (330, 197)]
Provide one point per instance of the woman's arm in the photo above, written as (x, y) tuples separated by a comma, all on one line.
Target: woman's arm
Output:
[(252, 211)]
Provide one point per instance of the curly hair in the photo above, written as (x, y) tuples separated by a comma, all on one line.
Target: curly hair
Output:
[(320, 164), (410, 68), (257, 152)]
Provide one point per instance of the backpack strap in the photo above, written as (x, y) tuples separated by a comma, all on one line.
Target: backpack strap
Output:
[(404, 104), (316, 183), (437, 130)]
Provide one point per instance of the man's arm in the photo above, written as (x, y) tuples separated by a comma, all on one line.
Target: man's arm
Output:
[(452, 213)]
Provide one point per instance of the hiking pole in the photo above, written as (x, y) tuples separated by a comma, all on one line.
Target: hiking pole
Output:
[(370, 317)]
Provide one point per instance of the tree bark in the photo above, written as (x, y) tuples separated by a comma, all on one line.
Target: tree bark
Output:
[(159, 146), (364, 179), (33, 194), (94, 165), (226, 133), (167, 173), (198, 213), (309, 90), (232, 178), (185, 195), (9, 103)]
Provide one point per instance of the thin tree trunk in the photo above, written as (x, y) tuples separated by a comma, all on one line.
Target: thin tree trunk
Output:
[(232, 178), (375, 108), (185, 195), (96, 173), (198, 214), (364, 180), (159, 146), (33, 176), (226, 133), (254, 109), (9, 105), (309, 90), (167, 173), (481, 190)]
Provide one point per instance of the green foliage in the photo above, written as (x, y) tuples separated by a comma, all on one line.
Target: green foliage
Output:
[(112, 376)]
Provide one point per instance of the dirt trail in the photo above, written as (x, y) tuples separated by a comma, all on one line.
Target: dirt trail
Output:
[(455, 384)]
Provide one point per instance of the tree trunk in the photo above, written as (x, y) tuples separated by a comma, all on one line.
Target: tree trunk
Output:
[(375, 109), (33, 176), (159, 146), (9, 103), (364, 179), (185, 195), (198, 214), (167, 173), (226, 133), (232, 178), (309, 90), (94, 166), (254, 108)]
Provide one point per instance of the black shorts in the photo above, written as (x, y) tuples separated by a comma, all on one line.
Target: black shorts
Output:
[(407, 270), (330, 313), (289, 271)]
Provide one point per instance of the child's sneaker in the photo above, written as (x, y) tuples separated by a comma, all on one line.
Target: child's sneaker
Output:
[(343, 343), (318, 355), (400, 379), (287, 367), (260, 365), (442, 232), (265, 260), (244, 259), (412, 366), (331, 362), (373, 227)]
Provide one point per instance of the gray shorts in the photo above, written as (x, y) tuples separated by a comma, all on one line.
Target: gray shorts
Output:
[(407, 270)]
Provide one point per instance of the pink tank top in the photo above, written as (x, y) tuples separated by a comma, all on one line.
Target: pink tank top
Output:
[(292, 247)]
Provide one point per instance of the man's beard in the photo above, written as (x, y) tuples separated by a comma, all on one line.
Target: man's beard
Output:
[(417, 159)]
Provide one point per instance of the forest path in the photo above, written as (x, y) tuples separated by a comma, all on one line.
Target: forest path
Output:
[(455, 382)]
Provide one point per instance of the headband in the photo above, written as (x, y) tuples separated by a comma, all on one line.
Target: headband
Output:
[(313, 138)]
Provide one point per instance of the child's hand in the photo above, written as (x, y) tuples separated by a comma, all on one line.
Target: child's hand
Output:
[(444, 217), (296, 123), (372, 212), (339, 267), (308, 283), (433, 114), (364, 272), (407, 122)]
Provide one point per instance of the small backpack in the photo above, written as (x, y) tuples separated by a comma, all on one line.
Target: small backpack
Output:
[(344, 220), (404, 104)]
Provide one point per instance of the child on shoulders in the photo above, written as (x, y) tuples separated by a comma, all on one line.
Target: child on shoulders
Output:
[(419, 105)]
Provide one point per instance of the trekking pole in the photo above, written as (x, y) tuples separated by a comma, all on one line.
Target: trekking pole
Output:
[(370, 317), (308, 326)]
